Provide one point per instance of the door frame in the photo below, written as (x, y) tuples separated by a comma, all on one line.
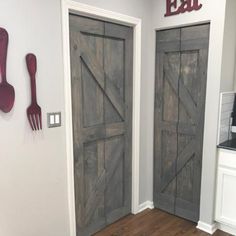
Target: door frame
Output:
[(69, 6)]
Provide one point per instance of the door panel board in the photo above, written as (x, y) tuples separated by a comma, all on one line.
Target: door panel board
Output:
[(181, 68)]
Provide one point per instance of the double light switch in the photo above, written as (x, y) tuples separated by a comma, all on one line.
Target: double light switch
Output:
[(54, 119)]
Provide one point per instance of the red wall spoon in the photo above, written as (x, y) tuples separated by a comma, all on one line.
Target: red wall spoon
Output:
[(7, 92)]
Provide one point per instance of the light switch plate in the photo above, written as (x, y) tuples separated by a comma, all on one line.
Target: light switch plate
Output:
[(54, 119)]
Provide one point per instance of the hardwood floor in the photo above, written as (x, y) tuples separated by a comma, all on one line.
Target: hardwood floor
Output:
[(154, 223)]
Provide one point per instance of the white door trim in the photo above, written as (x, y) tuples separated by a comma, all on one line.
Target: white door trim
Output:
[(69, 6)]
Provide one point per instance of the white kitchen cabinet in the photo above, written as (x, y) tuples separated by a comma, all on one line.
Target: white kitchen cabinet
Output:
[(226, 190)]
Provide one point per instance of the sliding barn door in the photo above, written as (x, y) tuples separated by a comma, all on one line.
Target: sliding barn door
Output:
[(181, 72), (101, 81)]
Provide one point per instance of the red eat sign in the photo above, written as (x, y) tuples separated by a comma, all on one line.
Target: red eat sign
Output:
[(173, 8)]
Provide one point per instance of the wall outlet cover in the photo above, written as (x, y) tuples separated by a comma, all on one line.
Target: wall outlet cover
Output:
[(54, 119)]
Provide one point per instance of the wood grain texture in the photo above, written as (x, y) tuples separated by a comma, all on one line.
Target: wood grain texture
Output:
[(154, 223), (181, 68), (101, 79)]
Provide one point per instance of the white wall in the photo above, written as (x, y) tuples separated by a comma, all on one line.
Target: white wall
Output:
[(33, 186), (33, 199), (213, 11), (33, 190), (229, 48)]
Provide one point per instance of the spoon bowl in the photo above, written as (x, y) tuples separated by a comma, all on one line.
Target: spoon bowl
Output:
[(7, 97)]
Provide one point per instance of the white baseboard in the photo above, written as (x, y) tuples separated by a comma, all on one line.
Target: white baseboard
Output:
[(210, 229), (226, 228), (145, 205)]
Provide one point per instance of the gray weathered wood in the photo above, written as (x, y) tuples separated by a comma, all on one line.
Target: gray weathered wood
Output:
[(118, 62), (181, 68), (100, 76), (101, 79)]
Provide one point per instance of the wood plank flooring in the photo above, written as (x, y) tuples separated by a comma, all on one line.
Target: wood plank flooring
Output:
[(154, 223)]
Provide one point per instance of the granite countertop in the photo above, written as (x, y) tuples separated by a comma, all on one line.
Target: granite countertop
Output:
[(229, 144)]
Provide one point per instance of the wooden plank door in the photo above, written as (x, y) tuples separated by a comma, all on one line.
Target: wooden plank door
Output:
[(101, 80), (181, 72)]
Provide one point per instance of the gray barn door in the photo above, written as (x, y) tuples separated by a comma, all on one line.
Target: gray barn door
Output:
[(101, 80), (181, 72)]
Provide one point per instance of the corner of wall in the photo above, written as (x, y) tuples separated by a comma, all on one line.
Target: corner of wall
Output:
[(146, 205)]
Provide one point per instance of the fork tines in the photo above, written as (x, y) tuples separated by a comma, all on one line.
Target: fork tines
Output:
[(35, 119)]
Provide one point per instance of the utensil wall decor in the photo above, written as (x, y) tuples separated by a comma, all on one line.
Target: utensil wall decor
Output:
[(7, 92), (34, 110)]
